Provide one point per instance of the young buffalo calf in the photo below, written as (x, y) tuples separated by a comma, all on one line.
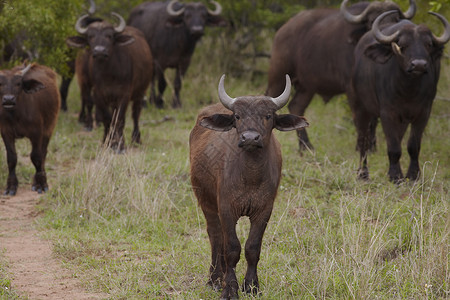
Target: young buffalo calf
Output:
[(235, 171), (29, 108)]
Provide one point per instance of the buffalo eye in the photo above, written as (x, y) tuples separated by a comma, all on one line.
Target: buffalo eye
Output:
[(237, 117), (268, 117)]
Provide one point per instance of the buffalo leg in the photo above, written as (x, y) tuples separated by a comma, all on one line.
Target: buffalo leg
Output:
[(297, 106), (214, 230), (373, 134), (87, 104), (117, 139), (152, 87), (37, 157), (106, 119), (414, 142), (252, 252), (63, 90), (363, 122), (181, 70), (136, 112), (159, 101), (11, 157), (394, 132), (232, 252)]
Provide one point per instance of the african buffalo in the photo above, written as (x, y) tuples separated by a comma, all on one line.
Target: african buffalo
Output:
[(235, 171), (172, 30), (30, 106), (120, 69), (395, 77), (315, 47)]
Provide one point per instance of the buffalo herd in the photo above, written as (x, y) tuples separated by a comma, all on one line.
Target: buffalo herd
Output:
[(387, 66)]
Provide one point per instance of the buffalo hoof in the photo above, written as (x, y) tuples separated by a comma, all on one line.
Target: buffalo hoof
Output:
[(250, 288), (413, 175), (10, 192), (397, 179), (176, 104), (216, 285), (81, 118), (159, 102), (136, 138), (363, 173), (230, 291), (305, 146), (39, 189)]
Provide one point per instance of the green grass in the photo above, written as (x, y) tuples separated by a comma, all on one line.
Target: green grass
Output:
[(129, 225)]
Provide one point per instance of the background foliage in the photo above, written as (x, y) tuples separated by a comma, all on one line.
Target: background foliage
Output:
[(46, 24), (129, 225)]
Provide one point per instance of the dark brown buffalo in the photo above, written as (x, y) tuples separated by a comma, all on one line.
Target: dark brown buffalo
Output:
[(120, 69), (16, 51), (30, 106), (316, 47), (395, 79), (235, 171), (172, 30)]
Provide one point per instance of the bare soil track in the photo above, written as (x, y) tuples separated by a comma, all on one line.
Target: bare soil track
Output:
[(35, 272)]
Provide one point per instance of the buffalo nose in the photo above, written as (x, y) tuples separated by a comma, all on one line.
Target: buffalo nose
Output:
[(250, 139), (250, 136), (197, 30), (418, 66), (8, 99), (99, 51)]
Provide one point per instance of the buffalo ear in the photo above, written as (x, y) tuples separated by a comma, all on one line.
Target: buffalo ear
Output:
[(289, 122), (216, 21), (76, 41), (124, 39), (379, 53), (175, 22), (218, 122), (31, 86), (356, 35)]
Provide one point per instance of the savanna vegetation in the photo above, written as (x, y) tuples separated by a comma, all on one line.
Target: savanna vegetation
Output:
[(129, 225)]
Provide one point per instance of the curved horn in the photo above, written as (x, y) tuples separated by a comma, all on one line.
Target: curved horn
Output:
[(78, 26), (92, 8), (384, 39), (119, 28), (354, 19), (171, 11), (25, 70), (217, 11), (445, 37), (281, 100), (226, 100), (411, 10)]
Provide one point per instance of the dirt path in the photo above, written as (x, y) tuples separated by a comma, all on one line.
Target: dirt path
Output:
[(35, 272)]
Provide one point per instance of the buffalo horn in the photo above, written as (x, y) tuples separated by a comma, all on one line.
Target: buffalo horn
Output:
[(119, 28), (171, 11), (411, 10), (446, 35), (217, 11), (226, 100), (78, 26), (281, 100), (384, 39), (25, 70), (92, 8), (354, 19)]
